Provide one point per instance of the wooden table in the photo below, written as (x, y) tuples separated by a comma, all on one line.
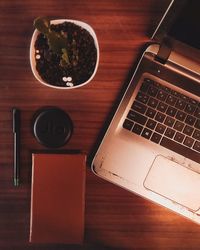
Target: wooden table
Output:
[(114, 217)]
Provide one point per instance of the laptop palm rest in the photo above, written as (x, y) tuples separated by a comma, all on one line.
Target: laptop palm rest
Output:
[(175, 182)]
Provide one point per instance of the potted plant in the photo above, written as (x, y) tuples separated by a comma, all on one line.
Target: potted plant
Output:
[(64, 53)]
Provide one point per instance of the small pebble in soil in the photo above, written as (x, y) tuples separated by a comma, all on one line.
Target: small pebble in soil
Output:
[(69, 84), (69, 79), (64, 79)]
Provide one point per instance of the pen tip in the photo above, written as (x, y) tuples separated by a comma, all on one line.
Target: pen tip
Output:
[(16, 182)]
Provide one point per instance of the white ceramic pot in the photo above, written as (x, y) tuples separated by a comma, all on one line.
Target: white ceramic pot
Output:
[(33, 58)]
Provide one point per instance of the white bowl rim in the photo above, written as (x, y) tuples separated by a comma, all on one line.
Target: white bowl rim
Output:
[(32, 53)]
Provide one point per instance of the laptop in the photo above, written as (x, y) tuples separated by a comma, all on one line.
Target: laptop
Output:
[(152, 144)]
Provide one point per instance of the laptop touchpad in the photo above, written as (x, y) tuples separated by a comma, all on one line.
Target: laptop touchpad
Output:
[(175, 182)]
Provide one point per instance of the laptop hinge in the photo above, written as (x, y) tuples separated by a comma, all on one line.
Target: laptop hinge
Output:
[(163, 52)]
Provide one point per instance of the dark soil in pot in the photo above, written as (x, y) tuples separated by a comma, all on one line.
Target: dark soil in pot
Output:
[(82, 63)]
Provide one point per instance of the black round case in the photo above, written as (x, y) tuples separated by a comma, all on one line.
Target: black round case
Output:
[(52, 127)]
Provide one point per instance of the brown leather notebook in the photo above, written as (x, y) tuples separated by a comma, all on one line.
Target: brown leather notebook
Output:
[(57, 198)]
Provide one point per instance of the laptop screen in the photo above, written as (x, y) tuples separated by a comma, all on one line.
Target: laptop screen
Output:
[(186, 27)]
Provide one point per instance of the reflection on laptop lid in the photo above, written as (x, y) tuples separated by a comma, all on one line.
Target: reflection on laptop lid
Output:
[(152, 145), (179, 26), (186, 26)]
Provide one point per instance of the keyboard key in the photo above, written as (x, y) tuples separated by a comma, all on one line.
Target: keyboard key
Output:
[(141, 97), (151, 124), (193, 102), (156, 137), (152, 102), (175, 93), (169, 121), (145, 85), (162, 107), (179, 137), (149, 81), (137, 129), (197, 124), (190, 108), (146, 133), (128, 124), (171, 100), (185, 98), (160, 128), (138, 106), (169, 132), (188, 142), (180, 116), (196, 134), (152, 91), (180, 104), (188, 130), (197, 113), (150, 112), (179, 126), (166, 89), (180, 149), (132, 115), (190, 120), (160, 117), (162, 95), (171, 111), (197, 146)]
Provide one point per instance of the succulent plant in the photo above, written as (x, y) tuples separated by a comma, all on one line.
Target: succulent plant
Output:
[(56, 40)]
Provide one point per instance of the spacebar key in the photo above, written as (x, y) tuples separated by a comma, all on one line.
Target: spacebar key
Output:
[(180, 149)]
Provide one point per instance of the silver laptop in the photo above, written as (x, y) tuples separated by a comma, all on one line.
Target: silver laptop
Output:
[(152, 144)]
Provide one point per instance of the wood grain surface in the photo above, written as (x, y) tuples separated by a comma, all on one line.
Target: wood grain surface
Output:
[(115, 218)]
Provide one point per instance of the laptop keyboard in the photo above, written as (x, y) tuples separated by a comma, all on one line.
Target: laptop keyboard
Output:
[(166, 117)]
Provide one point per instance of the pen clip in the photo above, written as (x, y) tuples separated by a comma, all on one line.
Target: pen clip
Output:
[(16, 120)]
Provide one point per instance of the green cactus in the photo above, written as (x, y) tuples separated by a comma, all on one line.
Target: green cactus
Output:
[(57, 41)]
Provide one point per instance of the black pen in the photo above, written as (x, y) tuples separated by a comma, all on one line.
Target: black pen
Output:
[(16, 133)]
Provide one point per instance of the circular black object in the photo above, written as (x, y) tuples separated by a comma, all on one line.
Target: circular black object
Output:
[(52, 127)]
